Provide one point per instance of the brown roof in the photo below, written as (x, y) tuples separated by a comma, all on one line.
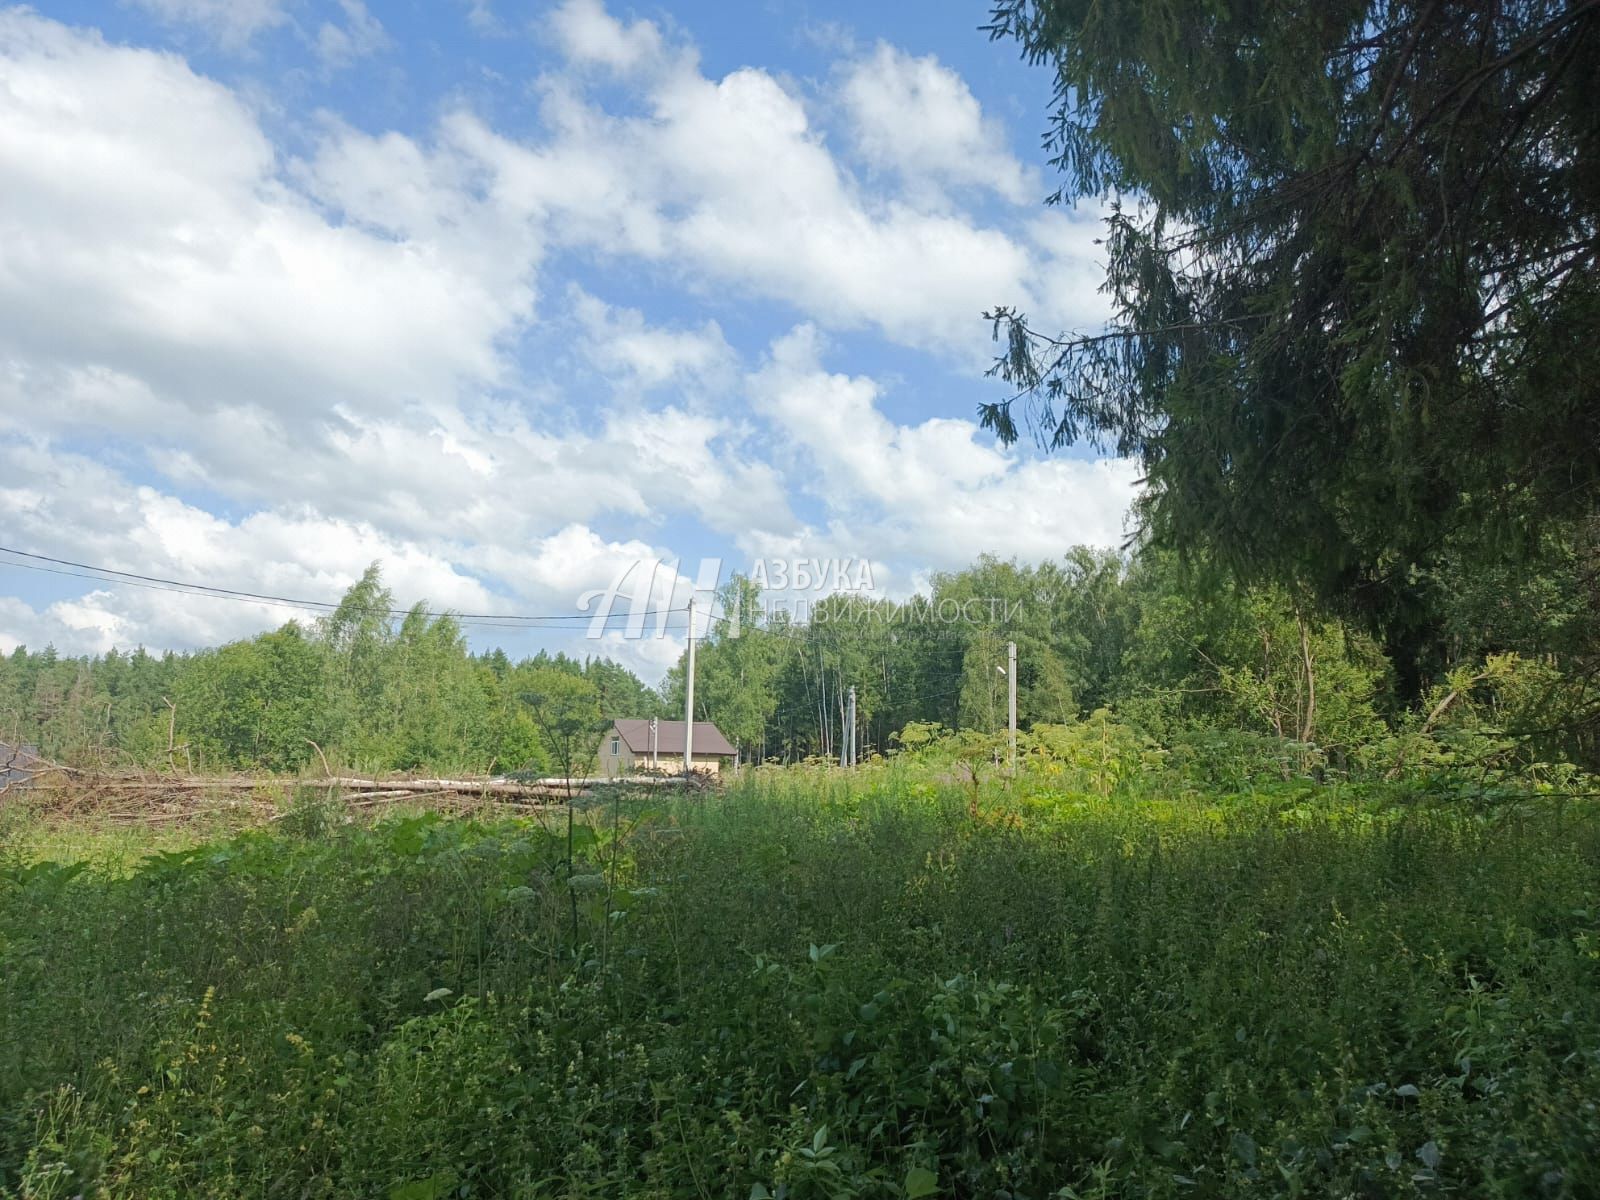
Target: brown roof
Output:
[(708, 738)]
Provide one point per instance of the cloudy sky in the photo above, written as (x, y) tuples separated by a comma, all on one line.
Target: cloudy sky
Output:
[(508, 295)]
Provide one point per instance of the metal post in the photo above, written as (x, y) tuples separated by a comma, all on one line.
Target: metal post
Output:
[(688, 700), (1011, 699), (844, 735), (655, 740), (850, 739)]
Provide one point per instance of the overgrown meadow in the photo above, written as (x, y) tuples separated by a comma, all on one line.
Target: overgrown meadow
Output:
[(896, 982)]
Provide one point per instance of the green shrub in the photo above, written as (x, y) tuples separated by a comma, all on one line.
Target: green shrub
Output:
[(826, 984)]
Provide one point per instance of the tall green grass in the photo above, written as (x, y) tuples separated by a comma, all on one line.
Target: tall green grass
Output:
[(820, 985)]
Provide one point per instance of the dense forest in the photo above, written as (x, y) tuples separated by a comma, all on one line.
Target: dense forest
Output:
[(1175, 653), (361, 686), (1172, 653)]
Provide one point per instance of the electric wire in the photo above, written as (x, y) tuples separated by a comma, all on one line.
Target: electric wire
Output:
[(109, 575)]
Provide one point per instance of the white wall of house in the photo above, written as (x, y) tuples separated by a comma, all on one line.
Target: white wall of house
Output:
[(615, 757)]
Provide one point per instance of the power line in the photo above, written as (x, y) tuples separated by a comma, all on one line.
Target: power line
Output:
[(110, 575), (899, 698), (893, 700)]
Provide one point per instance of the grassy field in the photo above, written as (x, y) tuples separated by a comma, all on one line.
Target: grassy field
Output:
[(816, 987)]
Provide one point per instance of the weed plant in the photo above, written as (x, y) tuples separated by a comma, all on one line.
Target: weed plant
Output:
[(819, 985)]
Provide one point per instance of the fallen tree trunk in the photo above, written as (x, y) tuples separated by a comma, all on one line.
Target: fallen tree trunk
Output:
[(509, 789), (475, 787)]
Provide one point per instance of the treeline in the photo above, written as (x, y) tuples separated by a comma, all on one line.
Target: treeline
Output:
[(1166, 652), (365, 687), (1174, 653)]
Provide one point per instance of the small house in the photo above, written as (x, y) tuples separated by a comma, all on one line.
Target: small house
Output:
[(631, 746)]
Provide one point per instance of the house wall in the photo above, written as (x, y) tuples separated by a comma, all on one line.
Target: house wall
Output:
[(613, 765), (626, 762)]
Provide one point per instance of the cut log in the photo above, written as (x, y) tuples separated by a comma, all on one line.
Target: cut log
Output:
[(551, 789)]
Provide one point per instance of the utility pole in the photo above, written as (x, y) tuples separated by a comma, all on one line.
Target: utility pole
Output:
[(688, 700), (1011, 700), (844, 736), (850, 739), (655, 740)]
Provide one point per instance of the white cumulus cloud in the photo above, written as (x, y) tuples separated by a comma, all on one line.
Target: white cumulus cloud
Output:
[(223, 360), (917, 117), (233, 23)]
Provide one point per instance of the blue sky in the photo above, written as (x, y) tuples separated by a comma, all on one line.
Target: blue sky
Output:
[(510, 296)]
